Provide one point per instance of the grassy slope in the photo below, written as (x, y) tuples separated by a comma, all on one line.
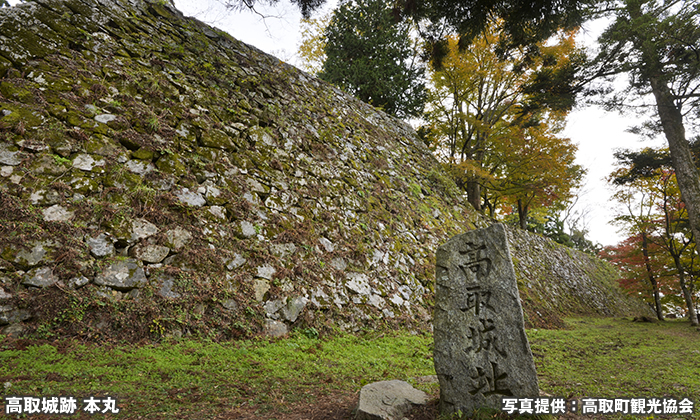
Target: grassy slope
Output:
[(281, 379)]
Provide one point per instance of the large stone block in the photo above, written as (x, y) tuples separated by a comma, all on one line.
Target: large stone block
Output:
[(122, 275), (101, 246), (40, 277), (481, 351)]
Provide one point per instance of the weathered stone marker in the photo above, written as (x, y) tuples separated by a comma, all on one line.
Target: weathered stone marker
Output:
[(481, 350)]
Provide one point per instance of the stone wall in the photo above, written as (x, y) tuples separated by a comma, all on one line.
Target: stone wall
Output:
[(158, 177), (556, 281)]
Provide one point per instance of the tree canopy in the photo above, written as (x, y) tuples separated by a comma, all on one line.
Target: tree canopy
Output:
[(306, 7), (370, 55), (312, 49), (498, 147), (656, 220)]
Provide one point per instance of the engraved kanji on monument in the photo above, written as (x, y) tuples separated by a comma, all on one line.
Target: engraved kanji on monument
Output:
[(481, 350)]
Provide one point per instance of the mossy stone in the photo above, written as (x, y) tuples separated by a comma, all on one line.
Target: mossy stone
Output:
[(56, 109), (210, 155), (172, 163), (219, 140), (9, 254), (85, 185), (244, 105), (14, 115), (129, 142), (62, 147), (123, 179), (60, 85), (54, 21), (118, 226), (73, 119), (49, 165), (143, 154), (102, 145), (12, 91), (202, 124), (97, 128), (5, 65)]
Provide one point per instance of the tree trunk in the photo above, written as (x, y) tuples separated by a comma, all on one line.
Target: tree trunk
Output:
[(686, 293), (474, 193), (522, 214), (676, 255), (491, 207), (652, 279), (681, 157)]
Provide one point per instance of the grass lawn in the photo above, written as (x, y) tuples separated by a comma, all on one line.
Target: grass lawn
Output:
[(304, 377)]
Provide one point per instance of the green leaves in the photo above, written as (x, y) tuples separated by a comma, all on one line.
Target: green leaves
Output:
[(371, 56), (494, 120)]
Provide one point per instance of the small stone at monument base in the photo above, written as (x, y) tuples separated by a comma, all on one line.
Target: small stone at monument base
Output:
[(388, 400)]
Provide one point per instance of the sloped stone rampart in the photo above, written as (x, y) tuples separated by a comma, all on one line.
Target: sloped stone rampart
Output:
[(173, 180), (555, 280)]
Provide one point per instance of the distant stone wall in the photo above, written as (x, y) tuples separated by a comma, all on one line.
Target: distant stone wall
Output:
[(158, 177), (556, 281)]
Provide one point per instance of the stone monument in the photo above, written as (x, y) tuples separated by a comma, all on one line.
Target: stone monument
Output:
[(481, 350)]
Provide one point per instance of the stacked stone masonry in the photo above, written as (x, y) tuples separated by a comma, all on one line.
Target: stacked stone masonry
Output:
[(158, 177)]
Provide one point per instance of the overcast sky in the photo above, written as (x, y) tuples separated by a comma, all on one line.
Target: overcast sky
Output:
[(597, 133)]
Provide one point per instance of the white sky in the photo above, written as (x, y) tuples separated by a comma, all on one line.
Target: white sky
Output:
[(597, 133)]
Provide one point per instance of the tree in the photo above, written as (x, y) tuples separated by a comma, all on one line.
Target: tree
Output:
[(313, 44), (649, 170), (657, 43), (496, 141), (637, 195), (532, 167), (472, 93), (370, 54), (676, 239), (637, 260)]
